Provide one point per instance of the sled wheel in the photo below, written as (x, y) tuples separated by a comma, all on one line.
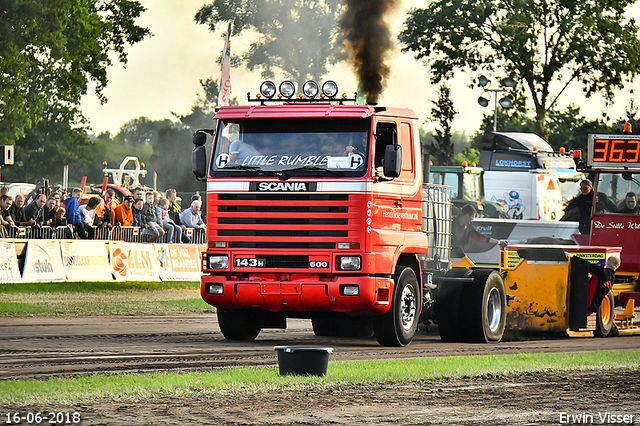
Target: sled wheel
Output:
[(398, 326), (237, 325), (485, 306), (604, 316)]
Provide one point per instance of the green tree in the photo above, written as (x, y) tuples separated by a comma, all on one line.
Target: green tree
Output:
[(443, 113), (51, 50), (58, 139), (569, 129), (296, 37), (548, 45)]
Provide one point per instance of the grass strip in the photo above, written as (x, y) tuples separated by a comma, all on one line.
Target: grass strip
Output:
[(137, 387), (84, 287)]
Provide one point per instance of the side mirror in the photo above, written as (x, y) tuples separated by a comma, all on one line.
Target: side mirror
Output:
[(199, 156), (392, 161)]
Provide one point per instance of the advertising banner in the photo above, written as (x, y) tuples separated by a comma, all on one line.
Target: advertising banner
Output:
[(9, 269), (43, 262), (134, 262), (178, 262), (86, 260)]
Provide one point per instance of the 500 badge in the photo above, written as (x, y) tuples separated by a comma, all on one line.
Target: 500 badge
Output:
[(318, 264)]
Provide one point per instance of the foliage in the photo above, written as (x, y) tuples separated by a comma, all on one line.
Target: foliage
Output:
[(51, 51), (297, 37), (443, 112), (546, 45), (56, 140), (570, 130), (470, 155)]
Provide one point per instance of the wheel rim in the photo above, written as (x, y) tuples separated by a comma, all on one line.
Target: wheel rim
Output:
[(407, 308), (605, 310), (494, 309)]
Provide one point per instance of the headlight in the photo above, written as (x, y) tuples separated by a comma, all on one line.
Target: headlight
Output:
[(287, 89), (268, 89), (219, 262), (349, 263)]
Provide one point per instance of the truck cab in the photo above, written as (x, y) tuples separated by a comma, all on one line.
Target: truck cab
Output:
[(524, 173)]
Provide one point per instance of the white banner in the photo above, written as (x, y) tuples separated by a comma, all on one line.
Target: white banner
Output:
[(134, 262), (43, 262), (86, 260), (9, 269), (225, 68), (179, 262)]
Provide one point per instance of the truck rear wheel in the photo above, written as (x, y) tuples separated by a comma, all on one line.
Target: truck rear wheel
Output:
[(398, 326), (604, 316), (237, 324), (484, 304)]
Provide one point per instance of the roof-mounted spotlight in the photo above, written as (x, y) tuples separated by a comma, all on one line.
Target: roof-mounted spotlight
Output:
[(330, 89), (268, 89), (484, 102), (483, 81), (310, 89), (287, 89)]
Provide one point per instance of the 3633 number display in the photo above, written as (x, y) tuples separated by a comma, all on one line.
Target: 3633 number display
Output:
[(614, 151)]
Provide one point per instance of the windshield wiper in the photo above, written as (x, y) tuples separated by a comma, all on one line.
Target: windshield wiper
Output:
[(241, 167), (313, 169)]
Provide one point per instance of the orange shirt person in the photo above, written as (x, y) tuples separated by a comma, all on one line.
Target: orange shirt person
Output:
[(123, 213)]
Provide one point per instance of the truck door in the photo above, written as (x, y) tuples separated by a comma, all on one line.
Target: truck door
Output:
[(411, 188), (387, 194)]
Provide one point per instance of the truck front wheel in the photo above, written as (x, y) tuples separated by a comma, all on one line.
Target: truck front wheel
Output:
[(237, 324), (398, 326)]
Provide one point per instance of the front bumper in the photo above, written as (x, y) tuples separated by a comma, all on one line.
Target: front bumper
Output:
[(304, 293)]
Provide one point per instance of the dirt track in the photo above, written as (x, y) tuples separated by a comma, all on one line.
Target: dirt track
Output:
[(62, 346)]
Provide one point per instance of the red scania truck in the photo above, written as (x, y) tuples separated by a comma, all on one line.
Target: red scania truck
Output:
[(317, 209)]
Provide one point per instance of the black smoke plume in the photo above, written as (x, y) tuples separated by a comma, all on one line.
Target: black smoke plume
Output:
[(368, 40)]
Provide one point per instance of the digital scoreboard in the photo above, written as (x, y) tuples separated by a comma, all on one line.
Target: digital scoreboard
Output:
[(614, 151)]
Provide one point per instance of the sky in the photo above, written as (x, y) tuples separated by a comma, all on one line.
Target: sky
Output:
[(163, 75)]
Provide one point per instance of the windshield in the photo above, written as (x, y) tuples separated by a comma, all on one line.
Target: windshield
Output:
[(472, 187), (618, 193), (311, 146)]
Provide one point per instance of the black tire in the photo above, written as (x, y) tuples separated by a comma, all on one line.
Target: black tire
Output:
[(325, 327), (484, 305), (447, 306), (237, 325), (604, 316), (398, 326)]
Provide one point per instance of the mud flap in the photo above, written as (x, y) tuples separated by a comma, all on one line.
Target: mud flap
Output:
[(578, 293)]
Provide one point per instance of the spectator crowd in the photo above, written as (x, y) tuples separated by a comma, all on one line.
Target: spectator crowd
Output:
[(78, 215)]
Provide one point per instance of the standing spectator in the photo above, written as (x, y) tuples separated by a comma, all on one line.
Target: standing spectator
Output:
[(123, 213), (17, 211), (105, 212), (74, 220), (88, 214), (149, 220), (191, 217), (136, 209), (174, 213), (5, 215), (33, 213), (49, 212), (167, 223)]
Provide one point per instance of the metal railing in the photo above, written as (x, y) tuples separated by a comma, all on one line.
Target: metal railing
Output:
[(130, 234)]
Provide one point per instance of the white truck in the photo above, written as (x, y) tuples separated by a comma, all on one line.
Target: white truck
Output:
[(523, 172)]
